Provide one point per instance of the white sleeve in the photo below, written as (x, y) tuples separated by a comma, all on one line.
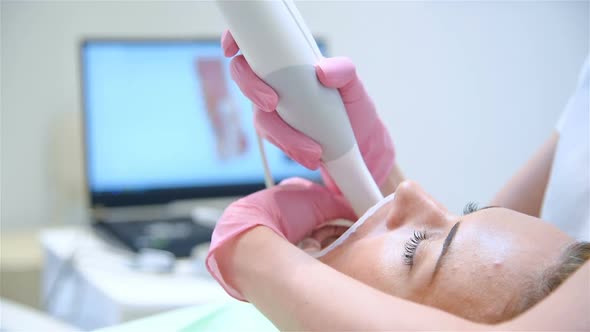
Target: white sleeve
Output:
[(584, 77), (563, 116)]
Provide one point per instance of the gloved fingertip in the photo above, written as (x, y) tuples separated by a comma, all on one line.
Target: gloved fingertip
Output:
[(306, 151), (260, 93), (297, 181), (269, 99), (296, 145), (229, 45), (312, 164), (268, 135), (313, 153), (335, 72), (265, 109), (321, 74), (235, 68), (259, 107)]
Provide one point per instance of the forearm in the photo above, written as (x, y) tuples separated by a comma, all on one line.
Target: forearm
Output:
[(297, 292), (525, 191)]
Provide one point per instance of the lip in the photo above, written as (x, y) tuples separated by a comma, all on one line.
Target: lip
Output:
[(339, 241), (328, 233)]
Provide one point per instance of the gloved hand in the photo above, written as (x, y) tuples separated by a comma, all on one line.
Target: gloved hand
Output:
[(371, 135), (292, 210)]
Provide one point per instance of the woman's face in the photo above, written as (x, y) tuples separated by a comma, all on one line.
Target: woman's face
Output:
[(476, 266)]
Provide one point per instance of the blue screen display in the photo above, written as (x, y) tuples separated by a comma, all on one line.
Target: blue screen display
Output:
[(166, 114)]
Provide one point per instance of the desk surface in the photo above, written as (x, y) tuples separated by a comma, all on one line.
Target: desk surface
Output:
[(104, 272), (20, 249)]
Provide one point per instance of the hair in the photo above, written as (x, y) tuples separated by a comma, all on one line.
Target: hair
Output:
[(573, 257)]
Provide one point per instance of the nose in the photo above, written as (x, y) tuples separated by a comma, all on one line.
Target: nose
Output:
[(414, 205)]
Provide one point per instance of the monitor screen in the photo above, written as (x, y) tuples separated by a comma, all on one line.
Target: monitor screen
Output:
[(164, 121)]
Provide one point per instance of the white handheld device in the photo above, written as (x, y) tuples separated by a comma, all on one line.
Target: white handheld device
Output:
[(279, 47)]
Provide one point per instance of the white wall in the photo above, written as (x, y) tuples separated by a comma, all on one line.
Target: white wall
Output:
[(467, 89)]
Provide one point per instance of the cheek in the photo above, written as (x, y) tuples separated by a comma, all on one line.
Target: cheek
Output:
[(353, 259), (365, 260), (371, 261), (392, 274)]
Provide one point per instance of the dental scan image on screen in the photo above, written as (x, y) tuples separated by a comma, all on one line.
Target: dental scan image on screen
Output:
[(166, 114)]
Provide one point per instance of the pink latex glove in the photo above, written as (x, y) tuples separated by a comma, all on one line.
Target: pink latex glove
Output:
[(371, 135), (292, 210)]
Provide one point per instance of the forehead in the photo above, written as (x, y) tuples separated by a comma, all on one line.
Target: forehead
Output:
[(496, 254), (502, 238), (514, 225)]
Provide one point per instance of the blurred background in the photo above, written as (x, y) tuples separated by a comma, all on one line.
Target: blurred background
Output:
[(468, 91)]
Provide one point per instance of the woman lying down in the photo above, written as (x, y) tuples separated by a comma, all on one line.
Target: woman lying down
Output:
[(488, 265), (411, 264), (484, 267)]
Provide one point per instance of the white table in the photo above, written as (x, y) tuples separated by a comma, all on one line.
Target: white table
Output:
[(99, 288)]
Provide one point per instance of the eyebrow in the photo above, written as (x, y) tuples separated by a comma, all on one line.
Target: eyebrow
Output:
[(487, 207), (445, 248)]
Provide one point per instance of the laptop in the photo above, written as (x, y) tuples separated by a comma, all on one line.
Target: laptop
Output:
[(165, 126)]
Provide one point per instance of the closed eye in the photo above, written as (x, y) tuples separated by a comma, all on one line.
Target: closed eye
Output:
[(412, 245)]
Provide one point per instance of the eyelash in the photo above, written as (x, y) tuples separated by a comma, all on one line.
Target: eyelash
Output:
[(470, 208), (411, 246)]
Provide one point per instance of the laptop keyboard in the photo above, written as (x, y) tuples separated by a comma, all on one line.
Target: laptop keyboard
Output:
[(176, 235)]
